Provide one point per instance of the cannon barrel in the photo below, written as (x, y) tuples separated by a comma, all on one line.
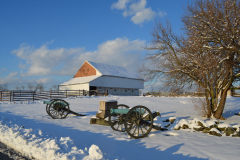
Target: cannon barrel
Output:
[(123, 111), (119, 111)]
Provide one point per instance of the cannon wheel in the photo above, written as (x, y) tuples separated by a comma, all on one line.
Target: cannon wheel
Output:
[(58, 109), (116, 121), (139, 125), (47, 106)]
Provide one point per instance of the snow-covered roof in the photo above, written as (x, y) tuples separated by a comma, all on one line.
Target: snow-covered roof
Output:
[(110, 70), (80, 80)]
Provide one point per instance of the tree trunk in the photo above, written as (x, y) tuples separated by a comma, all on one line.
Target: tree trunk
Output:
[(208, 105), (219, 111)]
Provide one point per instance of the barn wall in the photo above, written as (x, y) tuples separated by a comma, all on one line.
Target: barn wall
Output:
[(86, 70), (120, 91), (84, 86), (117, 82), (114, 85)]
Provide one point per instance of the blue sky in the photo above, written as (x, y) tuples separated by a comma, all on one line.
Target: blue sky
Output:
[(48, 40)]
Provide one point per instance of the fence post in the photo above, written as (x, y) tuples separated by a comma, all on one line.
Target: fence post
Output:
[(83, 92), (50, 93), (79, 92), (1, 95), (10, 96), (66, 93), (33, 95)]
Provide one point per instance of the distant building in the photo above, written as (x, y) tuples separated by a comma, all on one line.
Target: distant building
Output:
[(97, 76)]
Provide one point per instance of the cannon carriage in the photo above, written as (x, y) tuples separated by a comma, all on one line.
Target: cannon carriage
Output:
[(137, 121), (59, 109)]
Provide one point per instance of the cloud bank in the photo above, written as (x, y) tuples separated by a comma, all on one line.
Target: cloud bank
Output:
[(137, 10), (66, 62)]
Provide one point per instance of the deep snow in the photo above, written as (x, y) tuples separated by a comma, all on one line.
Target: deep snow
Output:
[(26, 127)]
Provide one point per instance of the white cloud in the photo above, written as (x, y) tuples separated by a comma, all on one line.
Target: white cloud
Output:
[(22, 66), (119, 52), (13, 74), (44, 61), (44, 80), (10, 79), (3, 70), (119, 46), (137, 10), (50, 42), (46, 65), (143, 15), (139, 6), (134, 8), (162, 14), (121, 4)]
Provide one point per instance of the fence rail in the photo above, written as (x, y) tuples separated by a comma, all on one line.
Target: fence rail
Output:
[(5, 96), (235, 92), (24, 95)]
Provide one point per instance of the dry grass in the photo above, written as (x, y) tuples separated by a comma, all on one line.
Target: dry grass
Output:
[(200, 105)]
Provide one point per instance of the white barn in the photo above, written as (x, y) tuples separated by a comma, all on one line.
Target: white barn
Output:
[(98, 76)]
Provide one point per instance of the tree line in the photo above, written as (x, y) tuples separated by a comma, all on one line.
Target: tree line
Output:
[(30, 86)]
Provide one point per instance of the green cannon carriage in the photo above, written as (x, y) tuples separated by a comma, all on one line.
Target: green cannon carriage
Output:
[(137, 121), (59, 109)]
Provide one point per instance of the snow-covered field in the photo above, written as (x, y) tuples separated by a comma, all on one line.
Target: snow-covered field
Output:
[(28, 129)]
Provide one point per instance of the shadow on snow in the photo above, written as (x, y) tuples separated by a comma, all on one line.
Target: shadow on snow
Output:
[(133, 149)]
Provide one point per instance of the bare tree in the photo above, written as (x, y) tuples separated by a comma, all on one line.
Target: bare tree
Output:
[(23, 87), (207, 55), (159, 91), (30, 86), (152, 89), (215, 24), (3, 87), (17, 87), (55, 87), (39, 86)]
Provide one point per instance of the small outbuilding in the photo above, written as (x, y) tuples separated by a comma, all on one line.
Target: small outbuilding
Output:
[(97, 76)]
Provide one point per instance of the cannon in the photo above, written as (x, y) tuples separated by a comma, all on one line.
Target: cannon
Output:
[(137, 121), (59, 109)]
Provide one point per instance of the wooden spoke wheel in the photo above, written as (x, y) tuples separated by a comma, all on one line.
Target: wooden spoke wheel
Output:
[(58, 109), (139, 122), (47, 106), (116, 121)]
